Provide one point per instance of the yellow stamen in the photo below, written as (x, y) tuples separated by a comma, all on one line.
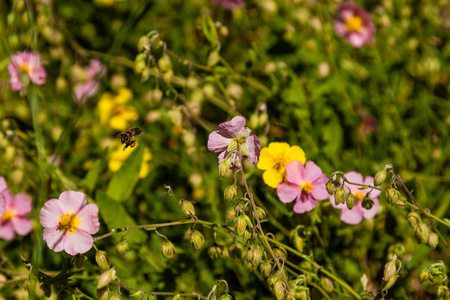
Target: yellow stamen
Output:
[(280, 164), (9, 214), (68, 222), (354, 23), (24, 68), (359, 196), (307, 187)]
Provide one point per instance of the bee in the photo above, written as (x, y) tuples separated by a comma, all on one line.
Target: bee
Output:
[(127, 137)]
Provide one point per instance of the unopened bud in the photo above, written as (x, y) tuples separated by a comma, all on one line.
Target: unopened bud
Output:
[(392, 195), (225, 297), (103, 294), (232, 145), (168, 76), (235, 91), (279, 290), (265, 268), (413, 219), (213, 59), (240, 225), (102, 260), (215, 252), (143, 43), (139, 67), (236, 250), (298, 243), (230, 192), (115, 297), (223, 168), (422, 233), (390, 270), (339, 196), (105, 278), (30, 285), (188, 208), (79, 260), (122, 247), (351, 200), (231, 214), (327, 284), (139, 294), (330, 188), (442, 291), (247, 235), (424, 276), (390, 283), (164, 64), (367, 202), (280, 253), (380, 177), (433, 240), (260, 214), (197, 239), (254, 257), (167, 250)]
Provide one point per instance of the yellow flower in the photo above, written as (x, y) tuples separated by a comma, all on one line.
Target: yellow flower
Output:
[(114, 112), (273, 160), (119, 156)]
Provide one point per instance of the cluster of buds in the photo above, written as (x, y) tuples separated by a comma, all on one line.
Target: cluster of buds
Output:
[(254, 258), (152, 58), (391, 270), (215, 252), (299, 236), (342, 197), (103, 281), (276, 284), (435, 274), (423, 233), (219, 291)]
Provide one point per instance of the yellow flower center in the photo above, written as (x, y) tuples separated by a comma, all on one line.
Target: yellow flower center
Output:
[(354, 23), (68, 222), (9, 214), (359, 196), (280, 164), (24, 68), (307, 187)]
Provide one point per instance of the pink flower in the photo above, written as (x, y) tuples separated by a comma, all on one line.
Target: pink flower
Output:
[(357, 213), (26, 66), (229, 4), (90, 87), (15, 208), (354, 24), (305, 184), (69, 223), (233, 140)]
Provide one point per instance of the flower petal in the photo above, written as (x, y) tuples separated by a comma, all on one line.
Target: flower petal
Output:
[(54, 239), (22, 204), (22, 225), (375, 193), (272, 178), (3, 185), (254, 148), (351, 216), (294, 172), (287, 192), (217, 142), (304, 205), (370, 213), (51, 212), (232, 127), (296, 153), (355, 177), (278, 149), (266, 159), (319, 191), (6, 231), (88, 217), (72, 201), (340, 28), (78, 242), (312, 171), (356, 39)]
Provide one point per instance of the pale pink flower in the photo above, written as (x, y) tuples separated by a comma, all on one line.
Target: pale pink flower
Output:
[(3, 187), (357, 213), (354, 24), (69, 223), (305, 184), (229, 4), (89, 88), (25, 66), (14, 219), (236, 132)]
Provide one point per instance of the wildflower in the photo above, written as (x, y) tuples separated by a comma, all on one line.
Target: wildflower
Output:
[(234, 141), (357, 213), (89, 87), (13, 210), (118, 157), (25, 66), (305, 184), (69, 223), (354, 24), (229, 4), (114, 112), (274, 159)]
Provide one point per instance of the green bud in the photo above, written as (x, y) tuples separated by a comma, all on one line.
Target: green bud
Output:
[(254, 257), (225, 297), (244, 149), (122, 247), (139, 67), (213, 59), (30, 285), (164, 64), (380, 177), (232, 145), (224, 167), (197, 239), (115, 297), (351, 200), (168, 250), (392, 195), (339, 196), (231, 214), (422, 233), (390, 283), (442, 291), (168, 76), (102, 260), (103, 293), (143, 43), (188, 208), (236, 250), (390, 270), (413, 219), (367, 202), (424, 275), (230, 192), (240, 225), (279, 290), (215, 252), (260, 214), (330, 188), (298, 243), (79, 260), (139, 295), (433, 240), (247, 235), (280, 253), (327, 284), (105, 278), (265, 268)]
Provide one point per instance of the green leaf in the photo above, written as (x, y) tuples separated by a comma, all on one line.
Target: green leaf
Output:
[(91, 178), (115, 216), (123, 182), (209, 30)]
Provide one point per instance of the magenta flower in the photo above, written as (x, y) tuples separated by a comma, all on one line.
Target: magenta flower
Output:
[(233, 140), (89, 88), (354, 24), (69, 223), (14, 219), (229, 4), (305, 184), (26, 66), (357, 213)]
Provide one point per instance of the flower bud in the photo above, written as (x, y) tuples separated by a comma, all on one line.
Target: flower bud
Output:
[(380, 177), (143, 43), (236, 250), (298, 243), (105, 278), (79, 260), (390, 270), (330, 188), (254, 256), (339, 196), (30, 285), (279, 290), (139, 295), (225, 297), (280, 253), (103, 293), (240, 225), (115, 297), (351, 200), (367, 202), (243, 149), (433, 240), (392, 195), (164, 64), (327, 284), (260, 214), (390, 283), (413, 219), (213, 59), (122, 247), (247, 235), (424, 276), (197, 239), (442, 291), (422, 233), (188, 208), (215, 252), (230, 192), (167, 250), (224, 167), (231, 214), (102, 260), (265, 268)]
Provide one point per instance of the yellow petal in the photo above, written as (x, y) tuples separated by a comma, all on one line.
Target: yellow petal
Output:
[(145, 169), (272, 178), (277, 149), (266, 161), (124, 95), (296, 153)]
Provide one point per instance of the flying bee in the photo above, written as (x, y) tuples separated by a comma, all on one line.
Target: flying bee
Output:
[(127, 137)]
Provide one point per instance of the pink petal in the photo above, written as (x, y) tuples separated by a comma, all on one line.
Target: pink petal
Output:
[(295, 172), (88, 217), (370, 213), (21, 204), (8, 197), (356, 39), (217, 142), (340, 28), (22, 225), (287, 192), (38, 76), (353, 216), (6, 231), (346, 14), (354, 177), (254, 148), (54, 239), (304, 205), (3, 185), (319, 191), (50, 213), (375, 193), (2, 205), (72, 201), (232, 127), (312, 172), (78, 242)]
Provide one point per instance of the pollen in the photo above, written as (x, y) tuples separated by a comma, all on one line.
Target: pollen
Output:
[(68, 223), (307, 187), (280, 164), (24, 68), (9, 214), (354, 23), (359, 196)]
